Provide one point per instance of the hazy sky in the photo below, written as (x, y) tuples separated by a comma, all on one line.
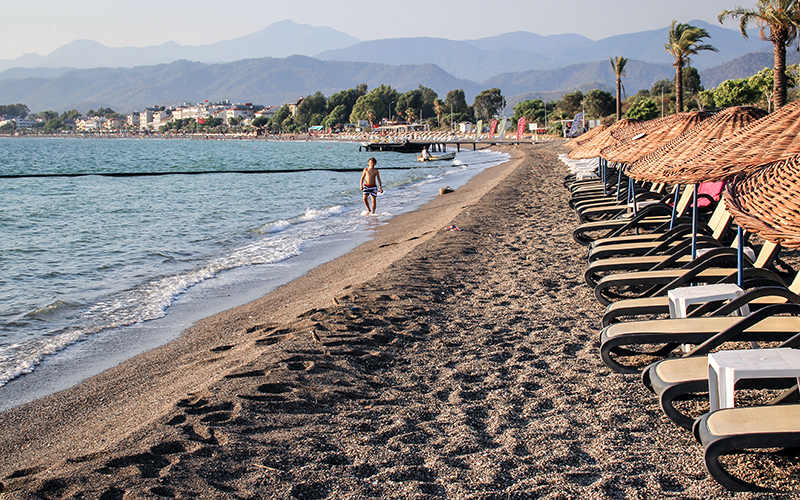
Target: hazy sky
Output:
[(42, 26)]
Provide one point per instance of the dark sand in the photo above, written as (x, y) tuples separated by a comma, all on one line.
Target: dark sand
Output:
[(427, 363)]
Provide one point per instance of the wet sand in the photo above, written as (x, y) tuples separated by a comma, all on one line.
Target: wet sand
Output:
[(427, 363)]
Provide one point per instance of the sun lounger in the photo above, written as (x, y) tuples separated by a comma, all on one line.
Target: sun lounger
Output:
[(658, 339), (705, 269), (660, 242), (678, 378), (736, 429)]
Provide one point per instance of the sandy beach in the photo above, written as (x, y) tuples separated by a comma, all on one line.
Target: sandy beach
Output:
[(427, 363)]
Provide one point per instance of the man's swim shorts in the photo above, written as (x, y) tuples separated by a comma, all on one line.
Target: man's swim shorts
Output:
[(371, 190)]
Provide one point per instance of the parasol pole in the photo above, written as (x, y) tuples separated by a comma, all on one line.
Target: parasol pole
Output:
[(675, 206), (694, 220), (740, 257)]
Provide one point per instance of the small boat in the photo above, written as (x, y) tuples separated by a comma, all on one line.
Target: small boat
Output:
[(445, 156)]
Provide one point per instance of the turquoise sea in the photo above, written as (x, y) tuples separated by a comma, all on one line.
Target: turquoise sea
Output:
[(99, 267)]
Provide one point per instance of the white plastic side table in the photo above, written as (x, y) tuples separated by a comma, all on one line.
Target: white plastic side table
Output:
[(726, 367), (681, 298)]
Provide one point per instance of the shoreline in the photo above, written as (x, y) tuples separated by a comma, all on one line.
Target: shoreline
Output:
[(426, 363), (102, 350), (400, 235)]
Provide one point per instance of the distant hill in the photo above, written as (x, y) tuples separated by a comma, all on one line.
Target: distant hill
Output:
[(523, 51), (477, 59), (741, 67), (263, 81), (525, 40), (280, 39), (276, 81), (639, 75), (460, 59), (648, 46)]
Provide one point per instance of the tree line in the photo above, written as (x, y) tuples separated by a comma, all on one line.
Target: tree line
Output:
[(383, 104)]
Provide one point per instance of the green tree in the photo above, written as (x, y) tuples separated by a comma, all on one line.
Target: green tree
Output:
[(53, 124), (645, 109), (570, 104), (346, 98), (310, 105), (764, 83), (276, 123), (735, 92), (599, 103), (408, 102), (368, 107), (532, 110), (691, 80), (337, 116), (429, 97), (439, 109), (455, 101), (18, 109), (618, 64), (705, 98), (778, 21), (260, 121), (489, 103), (70, 115), (684, 40)]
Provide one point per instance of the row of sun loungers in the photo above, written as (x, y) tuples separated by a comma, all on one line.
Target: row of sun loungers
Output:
[(649, 273)]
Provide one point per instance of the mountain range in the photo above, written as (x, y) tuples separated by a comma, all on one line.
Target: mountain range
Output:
[(259, 68)]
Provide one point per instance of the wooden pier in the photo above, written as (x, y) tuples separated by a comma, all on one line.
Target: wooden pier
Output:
[(437, 146)]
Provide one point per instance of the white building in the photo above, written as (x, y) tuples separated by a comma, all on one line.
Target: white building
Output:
[(89, 123)]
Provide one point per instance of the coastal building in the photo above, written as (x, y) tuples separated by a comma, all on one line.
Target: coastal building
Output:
[(294, 105), (153, 118), (133, 119), (267, 112), (90, 123), (19, 122), (113, 124), (244, 111)]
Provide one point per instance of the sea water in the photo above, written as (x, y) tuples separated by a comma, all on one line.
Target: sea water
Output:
[(97, 268)]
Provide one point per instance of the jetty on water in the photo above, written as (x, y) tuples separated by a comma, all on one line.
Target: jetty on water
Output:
[(441, 146)]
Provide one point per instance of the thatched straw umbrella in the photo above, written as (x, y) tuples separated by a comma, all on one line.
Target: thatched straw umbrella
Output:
[(581, 139), (771, 139), (655, 166), (665, 122), (647, 139), (767, 201), (591, 148), (658, 165)]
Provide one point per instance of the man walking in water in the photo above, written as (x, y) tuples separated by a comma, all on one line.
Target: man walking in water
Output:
[(371, 184)]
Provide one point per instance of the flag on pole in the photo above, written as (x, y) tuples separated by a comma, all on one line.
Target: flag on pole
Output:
[(479, 126), (492, 128), (520, 127), (502, 132)]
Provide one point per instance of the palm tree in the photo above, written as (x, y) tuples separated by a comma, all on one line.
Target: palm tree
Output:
[(438, 108), (618, 64), (684, 41), (779, 21)]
